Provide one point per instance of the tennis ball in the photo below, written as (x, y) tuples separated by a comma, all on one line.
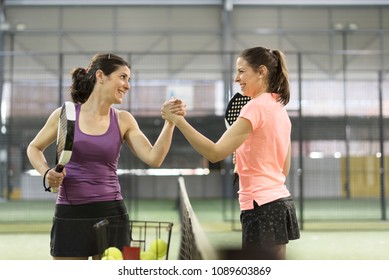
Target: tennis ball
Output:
[(114, 253), (147, 255), (159, 247), (108, 258)]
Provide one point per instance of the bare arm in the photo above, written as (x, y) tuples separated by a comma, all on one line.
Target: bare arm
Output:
[(45, 137), (226, 145), (35, 150), (152, 155)]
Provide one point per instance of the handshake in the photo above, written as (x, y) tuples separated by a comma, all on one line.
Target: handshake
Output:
[(173, 109)]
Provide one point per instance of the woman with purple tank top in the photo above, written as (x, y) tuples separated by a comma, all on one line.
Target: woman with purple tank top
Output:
[(88, 187)]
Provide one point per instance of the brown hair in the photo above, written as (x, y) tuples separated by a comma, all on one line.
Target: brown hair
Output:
[(84, 79), (274, 61)]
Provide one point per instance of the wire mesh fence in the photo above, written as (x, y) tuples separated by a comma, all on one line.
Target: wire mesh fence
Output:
[(339, 113)]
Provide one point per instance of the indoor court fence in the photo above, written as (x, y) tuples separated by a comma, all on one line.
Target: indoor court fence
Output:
[(339, 111)]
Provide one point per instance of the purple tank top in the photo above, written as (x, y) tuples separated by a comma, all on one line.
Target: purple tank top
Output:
[(91, 172)]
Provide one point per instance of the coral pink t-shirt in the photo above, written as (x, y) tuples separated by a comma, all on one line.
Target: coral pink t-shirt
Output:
[(260, 159)]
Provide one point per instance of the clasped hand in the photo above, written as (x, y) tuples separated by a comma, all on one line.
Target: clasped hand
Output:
[(173, 109)]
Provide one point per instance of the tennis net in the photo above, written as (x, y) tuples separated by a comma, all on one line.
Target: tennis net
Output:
[(194, 243)]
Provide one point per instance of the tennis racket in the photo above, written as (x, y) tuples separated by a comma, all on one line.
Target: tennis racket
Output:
[(234, 106), (65, 136)]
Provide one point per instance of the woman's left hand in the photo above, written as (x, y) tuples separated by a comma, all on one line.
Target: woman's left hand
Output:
[(172, 109)]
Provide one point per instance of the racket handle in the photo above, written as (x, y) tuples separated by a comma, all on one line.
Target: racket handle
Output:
[(59, 168)]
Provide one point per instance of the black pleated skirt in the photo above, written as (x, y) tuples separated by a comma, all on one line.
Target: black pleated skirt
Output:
[(73, 233)]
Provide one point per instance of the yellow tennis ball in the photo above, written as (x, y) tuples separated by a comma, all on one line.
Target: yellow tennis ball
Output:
[(159, 247), (147, 255), (114, 253), (108, 258)]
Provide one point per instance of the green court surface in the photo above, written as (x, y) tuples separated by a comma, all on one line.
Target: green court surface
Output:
[(323, 240)]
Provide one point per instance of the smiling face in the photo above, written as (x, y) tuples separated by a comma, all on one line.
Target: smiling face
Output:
[(252, 83), (118, 84)]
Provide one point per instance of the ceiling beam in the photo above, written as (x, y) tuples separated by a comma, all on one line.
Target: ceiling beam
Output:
[(195, 2)]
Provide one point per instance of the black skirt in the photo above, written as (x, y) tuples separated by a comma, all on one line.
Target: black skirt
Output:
[(73, 233), (270, 224)]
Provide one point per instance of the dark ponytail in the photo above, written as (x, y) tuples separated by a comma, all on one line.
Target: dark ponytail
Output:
[(279, 80), (82, 85)]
